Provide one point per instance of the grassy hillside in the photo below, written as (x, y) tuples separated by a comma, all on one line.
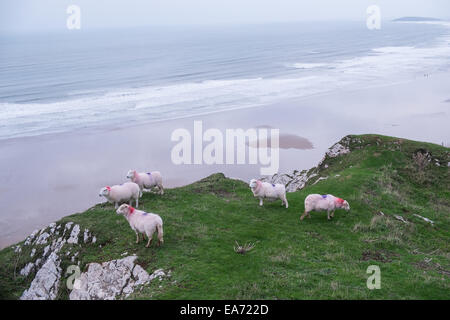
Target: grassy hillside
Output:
[(292, 259)]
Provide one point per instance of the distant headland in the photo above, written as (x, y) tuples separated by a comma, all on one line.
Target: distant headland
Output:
[(416, 19)]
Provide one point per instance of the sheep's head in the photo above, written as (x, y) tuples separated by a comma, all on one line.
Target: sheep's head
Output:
[(131, 174), (342, 204), (345, 206), (253, 183), (125, 210), (104, 191)]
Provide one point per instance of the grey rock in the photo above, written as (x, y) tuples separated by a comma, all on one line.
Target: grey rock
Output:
[(31, 237), (293, 182), (45, 285), (320, 179), (74, 235), (400, 218), (111, 280), (336, 150), (424, 219), (27, 269), (86, 236), (42, 238), (48, 271), (298, 180)]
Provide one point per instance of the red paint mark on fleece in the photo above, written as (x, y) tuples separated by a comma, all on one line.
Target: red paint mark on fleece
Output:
[(131, 210), (258, 185)]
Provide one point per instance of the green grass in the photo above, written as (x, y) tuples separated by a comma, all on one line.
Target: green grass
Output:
[(312, 259)]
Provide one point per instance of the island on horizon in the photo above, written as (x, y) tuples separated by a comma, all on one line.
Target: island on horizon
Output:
[(416, 19)]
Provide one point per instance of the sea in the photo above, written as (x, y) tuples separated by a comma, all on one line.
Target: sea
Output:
[(68, 81)]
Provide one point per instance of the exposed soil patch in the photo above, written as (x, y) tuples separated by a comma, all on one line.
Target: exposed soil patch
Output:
[(380, 255), (430, 266), (314, 234)]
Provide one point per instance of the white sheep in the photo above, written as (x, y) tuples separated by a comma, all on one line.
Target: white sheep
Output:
[(326, 202), (122, 193), (146, 180), (143, 222), (268, 190)]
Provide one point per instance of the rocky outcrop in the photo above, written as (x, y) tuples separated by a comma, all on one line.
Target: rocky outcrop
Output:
[(340, 148), (45, 284), (293, 182), (111, 280), (52, 245), (74, 235), (298, 179), (45, 246)]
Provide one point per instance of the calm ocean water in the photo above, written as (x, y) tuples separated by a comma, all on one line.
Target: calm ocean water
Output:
[(77, 79)]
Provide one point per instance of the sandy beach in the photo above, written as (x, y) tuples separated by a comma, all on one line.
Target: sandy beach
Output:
[(47, 177)]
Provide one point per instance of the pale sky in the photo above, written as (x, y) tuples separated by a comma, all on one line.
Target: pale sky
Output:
[(43, 15)]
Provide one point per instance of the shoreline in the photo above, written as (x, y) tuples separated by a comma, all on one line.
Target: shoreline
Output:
[(54, 175), (113, 127)]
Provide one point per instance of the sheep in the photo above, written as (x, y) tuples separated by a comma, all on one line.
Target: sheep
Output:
[(327, 202), (143, 222), (121, 193), (146, 180), (267, 190)]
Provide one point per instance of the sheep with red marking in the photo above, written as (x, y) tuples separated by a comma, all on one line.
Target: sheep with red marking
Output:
[(271, 191), (143, 222), (147, 180), (126, 192), (327, 202)]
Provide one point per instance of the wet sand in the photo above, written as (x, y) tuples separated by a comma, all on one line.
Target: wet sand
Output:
[(45, 178)]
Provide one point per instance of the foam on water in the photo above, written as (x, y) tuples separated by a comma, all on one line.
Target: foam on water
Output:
[(90, 107), (308, 65)]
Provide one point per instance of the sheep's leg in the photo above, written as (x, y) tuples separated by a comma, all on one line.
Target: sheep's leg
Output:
[(161, 189), (137, 237), (150, 238), (143, 236), (160, 234), (328, 215), (116, 205), (260, 202), (303, 215), (332, 214), (284, 200), (137, 202)]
